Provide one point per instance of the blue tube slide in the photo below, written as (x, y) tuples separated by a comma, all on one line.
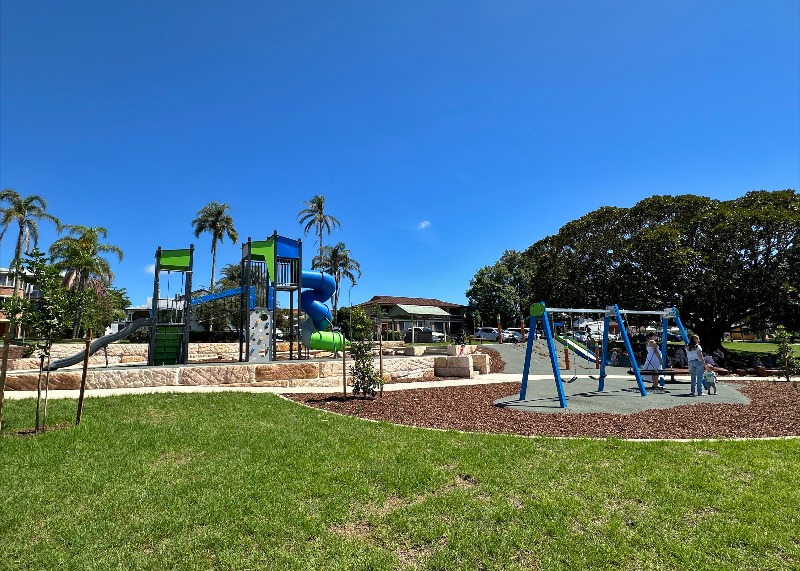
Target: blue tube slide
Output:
[(313, 332)]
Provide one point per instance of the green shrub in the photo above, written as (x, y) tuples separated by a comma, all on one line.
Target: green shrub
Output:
[(224, 336), (140, 336), (366, 379), (392, 335), (786, 361)]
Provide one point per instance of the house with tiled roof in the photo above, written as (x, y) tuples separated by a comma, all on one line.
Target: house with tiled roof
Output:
[(402, 313)]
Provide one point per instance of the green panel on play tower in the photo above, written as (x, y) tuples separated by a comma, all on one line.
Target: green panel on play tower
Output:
[(168, 344), (264, 251), (178, 260)]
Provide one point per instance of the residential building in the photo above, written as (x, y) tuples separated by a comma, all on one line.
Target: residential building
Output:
[(7, 291), (402, 313)]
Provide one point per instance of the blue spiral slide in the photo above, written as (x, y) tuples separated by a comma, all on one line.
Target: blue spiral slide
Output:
[(313, 333)]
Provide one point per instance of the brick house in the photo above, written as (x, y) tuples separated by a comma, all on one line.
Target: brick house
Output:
[(7, 291)]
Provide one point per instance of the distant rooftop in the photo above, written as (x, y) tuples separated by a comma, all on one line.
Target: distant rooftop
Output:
[(392, 300)]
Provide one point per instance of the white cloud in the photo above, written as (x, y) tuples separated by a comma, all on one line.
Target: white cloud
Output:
[(424, 224), (150, 269)]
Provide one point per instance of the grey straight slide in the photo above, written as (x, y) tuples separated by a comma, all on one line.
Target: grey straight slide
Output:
[(101, 342)]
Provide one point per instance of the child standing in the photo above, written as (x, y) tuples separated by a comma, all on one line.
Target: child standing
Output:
[(710, 378)]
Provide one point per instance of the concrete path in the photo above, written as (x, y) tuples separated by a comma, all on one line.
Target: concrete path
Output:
[(483, 379)]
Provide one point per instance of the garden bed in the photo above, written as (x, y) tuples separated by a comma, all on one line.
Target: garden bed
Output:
[(773, 411)]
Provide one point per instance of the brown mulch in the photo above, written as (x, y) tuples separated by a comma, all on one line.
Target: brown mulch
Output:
[(496, 364), (774, 410)]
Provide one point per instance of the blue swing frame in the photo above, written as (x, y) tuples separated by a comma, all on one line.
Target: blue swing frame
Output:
[(539, 311)]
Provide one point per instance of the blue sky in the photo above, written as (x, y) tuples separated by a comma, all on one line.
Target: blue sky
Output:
[(441, 133)]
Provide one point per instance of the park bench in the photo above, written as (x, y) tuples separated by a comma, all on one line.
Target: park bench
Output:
[(662, 372)]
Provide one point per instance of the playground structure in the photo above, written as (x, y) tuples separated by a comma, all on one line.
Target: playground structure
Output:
[(268, 266), (169, 332), (539, 311), (278, 261)]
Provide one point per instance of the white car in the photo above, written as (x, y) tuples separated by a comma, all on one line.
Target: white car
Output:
[(518, 333), (491, 334), (422, 333)]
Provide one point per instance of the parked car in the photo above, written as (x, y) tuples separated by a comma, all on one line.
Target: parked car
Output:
[(491, 334), (515, 336), (518, 332), (422, 335)]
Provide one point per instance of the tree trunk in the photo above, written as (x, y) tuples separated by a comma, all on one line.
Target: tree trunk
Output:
[(710, 336), (46, 389), (83, 375), (335, 303), (3, 371), (213, 265), (76, 327), (211, 287), (38, 395), (17, 285)]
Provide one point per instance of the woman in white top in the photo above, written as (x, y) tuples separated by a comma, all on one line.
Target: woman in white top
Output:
[(653, 360), (694, 353)]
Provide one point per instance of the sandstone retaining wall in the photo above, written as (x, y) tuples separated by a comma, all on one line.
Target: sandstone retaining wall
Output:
[(276, 374)]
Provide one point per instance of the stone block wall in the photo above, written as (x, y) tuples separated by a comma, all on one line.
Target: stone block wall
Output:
[(454, 366), (455, 350), (480, 363), (275, 374)]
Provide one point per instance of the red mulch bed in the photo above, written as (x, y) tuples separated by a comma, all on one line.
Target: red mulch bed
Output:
[(774, 410)]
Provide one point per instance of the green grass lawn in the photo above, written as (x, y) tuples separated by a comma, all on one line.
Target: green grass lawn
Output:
[(757, 347), (243, 481)]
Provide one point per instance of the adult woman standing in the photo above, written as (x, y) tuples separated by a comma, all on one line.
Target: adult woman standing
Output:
[(694, 353)]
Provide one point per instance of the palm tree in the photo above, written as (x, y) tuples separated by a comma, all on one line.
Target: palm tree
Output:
[(337, 261), (214, 219), (313, 215), (80, 256), (230, 275), (26, 212)]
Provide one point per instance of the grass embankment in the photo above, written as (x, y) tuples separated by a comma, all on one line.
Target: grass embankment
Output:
[(242, 481), (756, 348)]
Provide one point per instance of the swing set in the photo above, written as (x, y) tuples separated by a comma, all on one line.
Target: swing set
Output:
[(539, 311)]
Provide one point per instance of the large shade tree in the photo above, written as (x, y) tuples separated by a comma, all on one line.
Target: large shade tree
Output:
[(492, 292), (314, 216), (81, 256), (337, 261), (719, 262), (214, 219)]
